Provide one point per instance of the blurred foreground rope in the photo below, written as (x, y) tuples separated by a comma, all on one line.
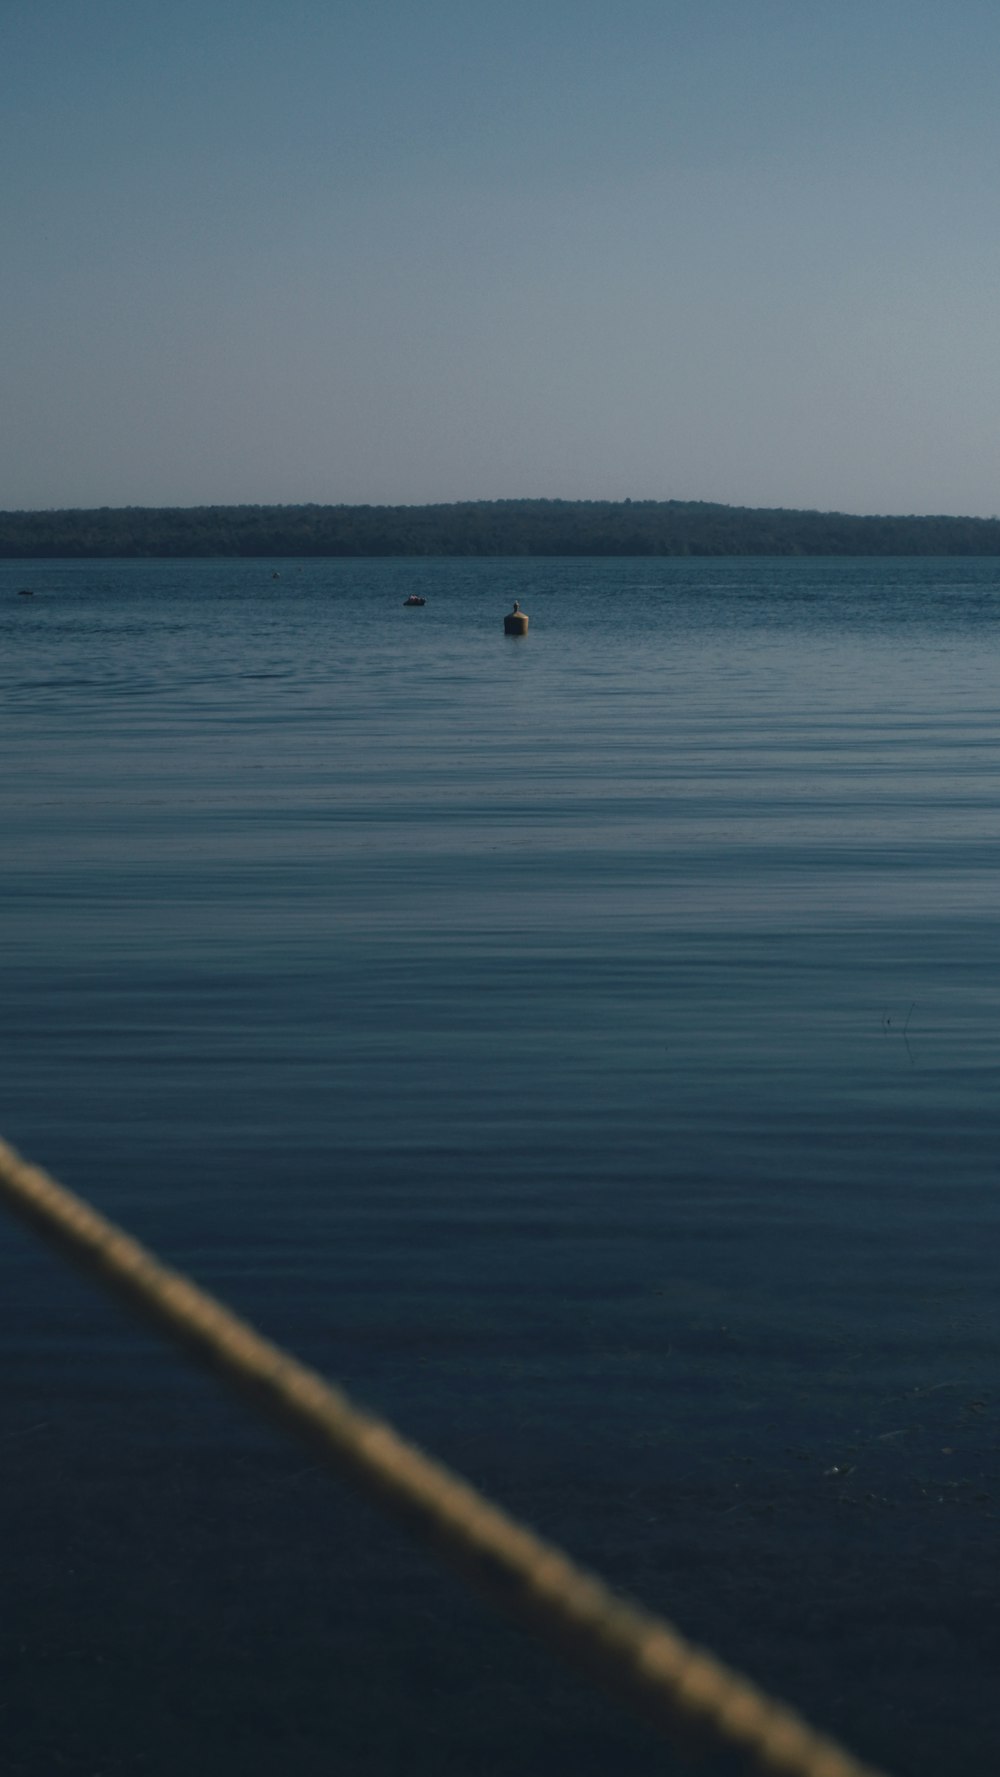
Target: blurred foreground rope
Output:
[(637, 1656)]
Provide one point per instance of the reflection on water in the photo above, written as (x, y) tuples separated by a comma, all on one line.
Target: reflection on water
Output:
[(585, 1050)]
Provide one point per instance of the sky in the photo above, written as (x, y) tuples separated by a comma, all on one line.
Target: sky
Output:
[(430, 250)]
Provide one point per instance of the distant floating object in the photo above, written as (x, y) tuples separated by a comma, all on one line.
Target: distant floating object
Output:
[(414, 599), (516, 622), (275, 576), (26, 592)]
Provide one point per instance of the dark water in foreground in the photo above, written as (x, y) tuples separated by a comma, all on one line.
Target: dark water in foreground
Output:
[(584, 1048)]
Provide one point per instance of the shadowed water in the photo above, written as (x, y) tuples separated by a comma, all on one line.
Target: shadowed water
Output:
[(584, 1048)]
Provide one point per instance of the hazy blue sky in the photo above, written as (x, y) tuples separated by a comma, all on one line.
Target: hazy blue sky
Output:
[(408, 250)]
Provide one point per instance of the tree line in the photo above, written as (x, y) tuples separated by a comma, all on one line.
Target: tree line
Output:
[(485, 527)]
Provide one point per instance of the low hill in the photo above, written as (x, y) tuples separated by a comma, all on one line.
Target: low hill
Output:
[(485, 527)]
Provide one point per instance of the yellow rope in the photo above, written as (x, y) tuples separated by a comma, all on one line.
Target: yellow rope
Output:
[(640, 1657)]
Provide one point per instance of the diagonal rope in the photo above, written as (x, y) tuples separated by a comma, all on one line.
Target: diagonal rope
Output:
[(639, 1657)]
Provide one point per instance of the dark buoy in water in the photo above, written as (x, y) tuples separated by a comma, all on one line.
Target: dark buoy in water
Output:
[(516, 622)]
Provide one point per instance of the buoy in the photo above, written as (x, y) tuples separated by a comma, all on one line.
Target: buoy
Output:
[(516, 622)]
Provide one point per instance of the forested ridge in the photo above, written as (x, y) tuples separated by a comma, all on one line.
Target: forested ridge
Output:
[(485, 527)]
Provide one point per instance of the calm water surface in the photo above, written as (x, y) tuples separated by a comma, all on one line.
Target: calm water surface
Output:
[(583, 1047)]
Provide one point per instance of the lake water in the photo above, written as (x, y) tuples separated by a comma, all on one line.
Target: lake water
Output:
[(585, 1048)]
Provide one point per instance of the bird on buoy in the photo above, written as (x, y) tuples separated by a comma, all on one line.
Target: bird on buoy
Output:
[(516, 622)]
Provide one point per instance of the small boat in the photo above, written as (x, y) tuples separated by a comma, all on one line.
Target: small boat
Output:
[(26, 592), (414, 599)]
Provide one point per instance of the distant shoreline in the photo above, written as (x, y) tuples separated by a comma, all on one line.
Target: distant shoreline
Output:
[(482, 528)]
